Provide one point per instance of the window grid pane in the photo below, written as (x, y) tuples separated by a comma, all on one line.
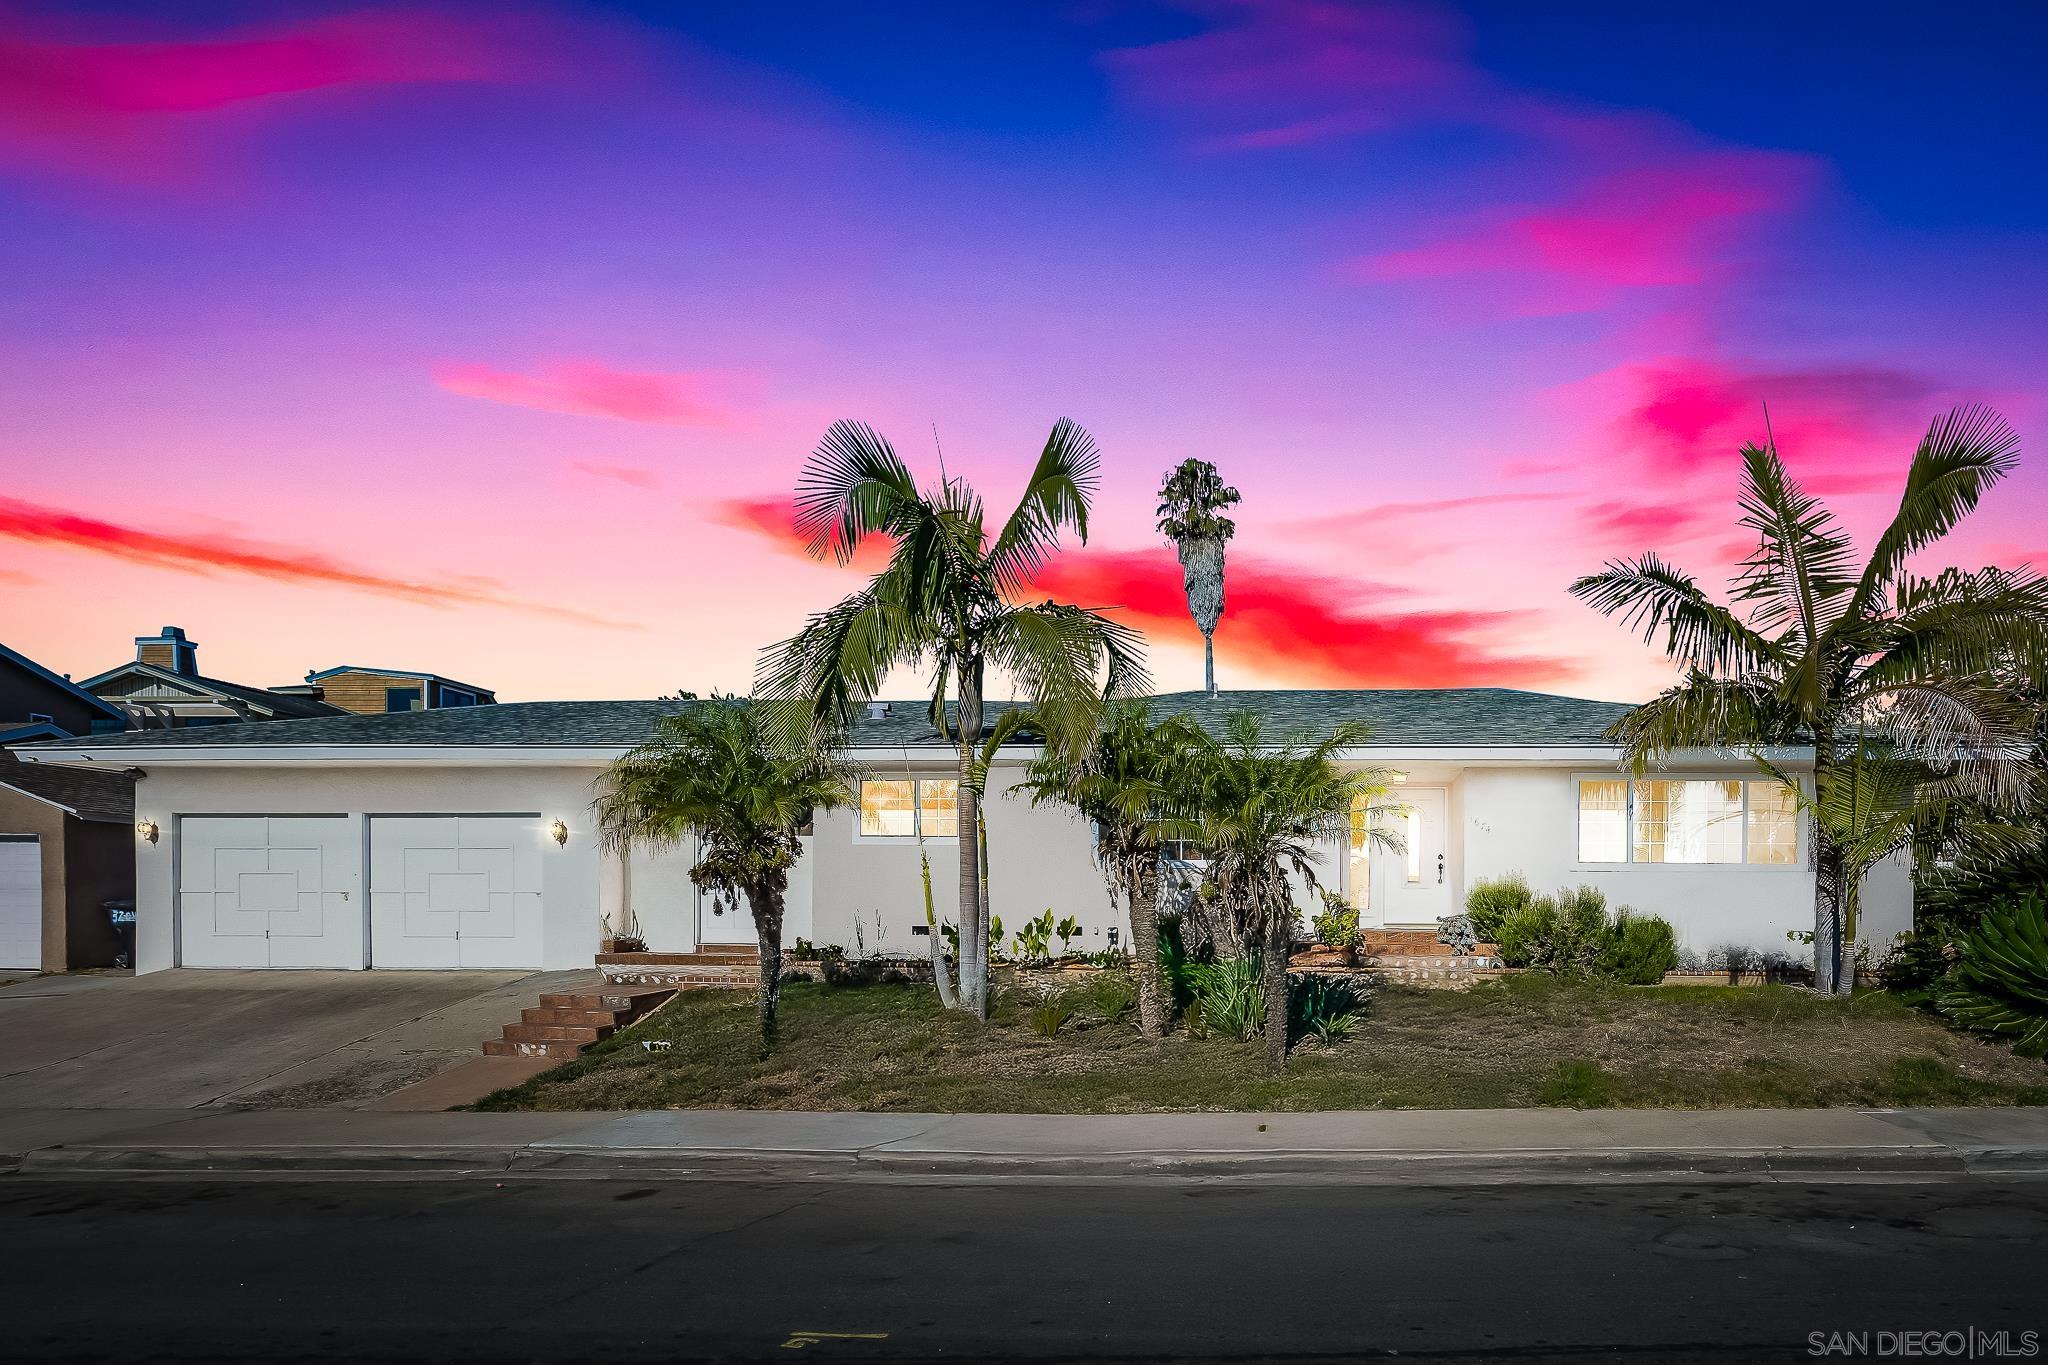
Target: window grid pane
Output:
[(1688, 822), (886, 808), (939, 806), (1773, 825), (1603, 821)]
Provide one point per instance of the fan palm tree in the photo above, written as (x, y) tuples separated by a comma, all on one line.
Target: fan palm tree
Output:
[(946, 600), (720, 773), (1263, 808), (1127, 783), (1190, 503), (1815, 648)]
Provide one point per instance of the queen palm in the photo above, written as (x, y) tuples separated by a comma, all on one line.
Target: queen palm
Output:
[(1263, 808), (1816, 649), (1191, 501), (1128, 783), (720, 773), (946, 600)]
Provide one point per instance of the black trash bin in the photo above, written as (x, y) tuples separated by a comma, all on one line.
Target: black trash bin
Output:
[(121, 914)]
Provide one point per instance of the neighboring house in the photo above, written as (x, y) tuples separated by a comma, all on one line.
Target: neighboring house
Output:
[(162, 688), (66, 848), (381, 691), (36, 703), (463, 838)]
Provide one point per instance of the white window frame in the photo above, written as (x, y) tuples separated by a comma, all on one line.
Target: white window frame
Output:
[(917, 833), (1800, 845)]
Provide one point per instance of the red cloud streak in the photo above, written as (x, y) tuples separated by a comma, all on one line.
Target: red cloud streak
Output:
[(588, 388), (29, 522)]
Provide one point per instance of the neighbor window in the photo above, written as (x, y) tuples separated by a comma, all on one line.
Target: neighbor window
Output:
[(402, 699), (1687, 820), (904, 808)]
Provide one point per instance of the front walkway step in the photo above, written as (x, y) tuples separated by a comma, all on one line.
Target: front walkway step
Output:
[(566, 1023), (715, 966)]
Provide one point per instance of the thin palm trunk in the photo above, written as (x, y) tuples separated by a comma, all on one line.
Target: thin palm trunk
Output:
[(1827, 878), (1142, 890), (973, 923), (942, 976), (1277, 941), (1209, 662), (766, 902)]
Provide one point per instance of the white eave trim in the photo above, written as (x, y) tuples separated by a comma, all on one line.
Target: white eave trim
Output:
[(55, 805)]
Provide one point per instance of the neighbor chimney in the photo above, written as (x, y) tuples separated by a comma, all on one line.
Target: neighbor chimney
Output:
[(169, 649), (877, 710)]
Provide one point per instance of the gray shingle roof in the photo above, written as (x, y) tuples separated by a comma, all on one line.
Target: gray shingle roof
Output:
[(1490, 716), (93, 795)]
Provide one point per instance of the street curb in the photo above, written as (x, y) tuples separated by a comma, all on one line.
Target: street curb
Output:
[(1418, 1167)]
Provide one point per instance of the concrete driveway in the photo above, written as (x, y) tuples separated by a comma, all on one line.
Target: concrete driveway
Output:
[(193, 1039)]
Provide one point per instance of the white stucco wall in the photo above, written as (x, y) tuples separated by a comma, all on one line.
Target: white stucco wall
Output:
[(572, 884)]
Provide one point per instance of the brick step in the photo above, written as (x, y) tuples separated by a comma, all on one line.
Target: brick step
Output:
[(567, 1052), (587, 1018), (558, 1033), (747, 958)]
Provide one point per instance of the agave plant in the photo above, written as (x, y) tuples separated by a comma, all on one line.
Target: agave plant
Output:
[(1999, 984)]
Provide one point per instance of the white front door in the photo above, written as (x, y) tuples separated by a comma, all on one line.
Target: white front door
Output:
[(268, 891), (21, 901), (725, 919), (1413, 887), (455, 891)]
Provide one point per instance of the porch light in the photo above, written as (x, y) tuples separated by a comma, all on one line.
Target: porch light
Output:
[(559, 832), (145, 830)]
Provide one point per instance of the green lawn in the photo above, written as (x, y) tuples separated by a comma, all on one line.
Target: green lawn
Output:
[(1526, 1040)]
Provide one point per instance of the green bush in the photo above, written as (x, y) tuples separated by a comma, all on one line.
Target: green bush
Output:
[(1052, 1014), (1230, 997), (1337, 925), (1921, 956), (1325, 1007), (1999, 983), (1638, 949), (1523, 930), (1491, 901), (1177, 966)]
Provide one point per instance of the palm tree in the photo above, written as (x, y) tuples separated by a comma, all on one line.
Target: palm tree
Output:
[(945, 599), (1190, 502), (721, 773), (1264, 808), (1815, 649), (1127, 783)]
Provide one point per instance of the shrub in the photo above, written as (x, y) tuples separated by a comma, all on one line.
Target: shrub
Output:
[(1177, 966), (1111, 996), (1337, 925), (1921, 956), (1638, 949), (1490, 901), (1999, 984), (1578, 933), (1034, 940), (1327, 1008), (1523, 931), (1229, 997), (1052, 1014)]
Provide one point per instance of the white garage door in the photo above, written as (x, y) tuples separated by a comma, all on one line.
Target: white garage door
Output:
[(455, 891), (21, 900), (268, 891)]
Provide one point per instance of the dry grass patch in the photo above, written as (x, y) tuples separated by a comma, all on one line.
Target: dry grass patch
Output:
[(1525, 1040)]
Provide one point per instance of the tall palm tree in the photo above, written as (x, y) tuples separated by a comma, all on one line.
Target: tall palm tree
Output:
[(946, 600), (1127, 783), (1815, 649), (1264, 808), (1191, 501), (721, 773)]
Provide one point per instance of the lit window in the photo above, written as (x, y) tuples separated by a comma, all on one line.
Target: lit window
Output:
[(1773, 824), (1413, 819), (1688, 822), (902, 808), (1603, 821)]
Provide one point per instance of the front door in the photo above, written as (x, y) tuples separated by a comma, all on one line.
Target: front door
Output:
[(1412, 887), (723, 918)]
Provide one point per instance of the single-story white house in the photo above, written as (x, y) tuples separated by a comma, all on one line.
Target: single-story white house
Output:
[(464, 838)]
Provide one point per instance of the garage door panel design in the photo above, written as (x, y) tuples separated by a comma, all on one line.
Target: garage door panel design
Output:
[(455, 891), (268, 891), (21, 900)]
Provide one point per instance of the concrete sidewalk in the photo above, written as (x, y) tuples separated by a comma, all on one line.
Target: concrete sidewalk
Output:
[(1461, 1146)]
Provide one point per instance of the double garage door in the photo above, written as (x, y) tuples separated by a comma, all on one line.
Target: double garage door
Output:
[(443, 891)]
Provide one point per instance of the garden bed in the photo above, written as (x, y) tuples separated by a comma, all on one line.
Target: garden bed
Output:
[(1520, 1041)]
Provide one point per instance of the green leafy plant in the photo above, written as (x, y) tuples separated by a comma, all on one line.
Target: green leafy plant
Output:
[(1637, 949), (1034, 939), (1999, 984), (1229, 997), (1108, 958), (1052, 1015), (1922, 955), (1177, 967), (1111, 996), (1492, 900), (1337, 924), (1067, 930), (1326, 1008)]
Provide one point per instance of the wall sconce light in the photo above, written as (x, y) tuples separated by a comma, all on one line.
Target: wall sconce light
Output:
[(146, 831), (559, 832)]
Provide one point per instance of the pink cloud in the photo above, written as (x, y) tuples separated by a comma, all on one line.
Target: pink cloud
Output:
[(588, 388), (631, 475), (1650, 227), (133, 111)]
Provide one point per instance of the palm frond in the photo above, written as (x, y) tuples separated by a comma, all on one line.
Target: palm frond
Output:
[(1964, 452), (1705, 712), (1056, 497), (1065, 659), (1803, 564), (853, 486), (1649, 595), (830, 668)]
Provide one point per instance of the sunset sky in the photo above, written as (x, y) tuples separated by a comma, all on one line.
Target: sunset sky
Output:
[(491, 339)]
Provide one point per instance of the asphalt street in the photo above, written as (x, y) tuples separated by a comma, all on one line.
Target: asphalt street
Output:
[(476, 1270)]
